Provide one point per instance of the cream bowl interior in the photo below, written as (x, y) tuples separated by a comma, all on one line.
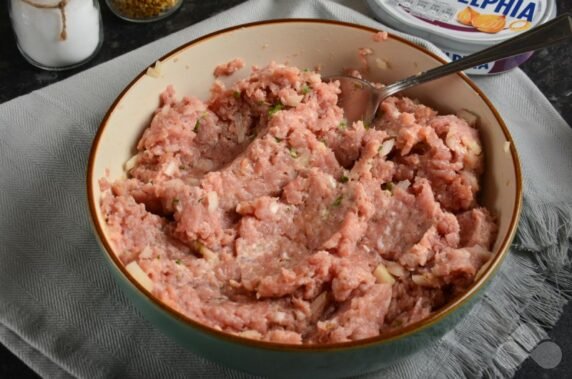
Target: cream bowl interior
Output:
[(331, 46)]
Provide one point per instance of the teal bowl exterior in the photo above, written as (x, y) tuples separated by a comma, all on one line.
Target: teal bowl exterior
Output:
[(298, 361), (284, 362)]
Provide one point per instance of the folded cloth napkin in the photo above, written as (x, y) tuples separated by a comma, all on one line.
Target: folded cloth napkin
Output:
[(61, 312)]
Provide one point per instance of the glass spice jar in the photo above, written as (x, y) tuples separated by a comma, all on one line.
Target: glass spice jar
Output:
[(57, 34), (143, 10)]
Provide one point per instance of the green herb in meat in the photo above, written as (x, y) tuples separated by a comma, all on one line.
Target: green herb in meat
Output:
[(275, 108)]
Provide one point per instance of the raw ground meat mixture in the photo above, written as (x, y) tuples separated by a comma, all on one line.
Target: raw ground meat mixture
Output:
[(262, 213)]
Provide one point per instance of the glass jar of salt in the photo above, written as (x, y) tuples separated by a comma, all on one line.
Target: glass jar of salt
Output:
[(57, 34)]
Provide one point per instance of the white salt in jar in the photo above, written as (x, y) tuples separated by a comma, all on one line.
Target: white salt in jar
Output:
[(57, 34)]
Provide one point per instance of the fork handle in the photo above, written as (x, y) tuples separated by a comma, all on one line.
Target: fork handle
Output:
[(550, 33)]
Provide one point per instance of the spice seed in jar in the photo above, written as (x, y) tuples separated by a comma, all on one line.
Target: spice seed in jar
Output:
[(142, 9)]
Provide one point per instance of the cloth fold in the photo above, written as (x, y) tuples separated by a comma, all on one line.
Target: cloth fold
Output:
[(61, 312)]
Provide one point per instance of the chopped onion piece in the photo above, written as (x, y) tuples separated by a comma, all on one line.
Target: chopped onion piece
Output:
[(293, 99), (425, 280), (472, 144), (382, 275), (273, 208), (331, 181), (158, 66), (171, 168), (152, 72), (212, 199), (139, 275), (205, 165), (131, 163), (207, 253), (395, 269), (386, 147), (252, 334), (192, 181), (146, 253), (155, 71), (241, 130), (319, 304), (506, 146), (381, 63)]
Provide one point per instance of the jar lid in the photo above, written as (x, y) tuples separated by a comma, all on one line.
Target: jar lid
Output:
[(464, 24)]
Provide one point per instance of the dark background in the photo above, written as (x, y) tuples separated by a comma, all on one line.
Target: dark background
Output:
[(550, 69)]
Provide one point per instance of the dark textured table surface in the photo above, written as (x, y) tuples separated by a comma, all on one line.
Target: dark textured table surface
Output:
[(550, 69)]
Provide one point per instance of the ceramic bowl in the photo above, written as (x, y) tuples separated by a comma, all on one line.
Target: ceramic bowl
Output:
[(304, 43)]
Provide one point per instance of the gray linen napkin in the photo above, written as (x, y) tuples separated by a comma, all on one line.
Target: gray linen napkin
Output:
[(61, 312)]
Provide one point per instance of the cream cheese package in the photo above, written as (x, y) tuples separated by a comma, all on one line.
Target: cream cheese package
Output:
[(463, 27)]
